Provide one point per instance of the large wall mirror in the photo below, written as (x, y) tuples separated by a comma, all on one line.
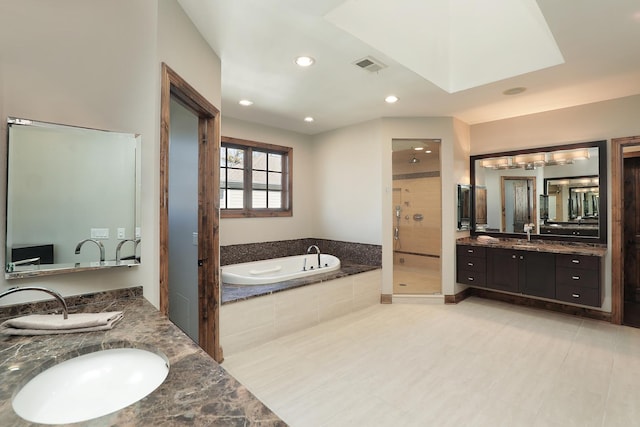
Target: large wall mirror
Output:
[(72, 199), (561, 190)]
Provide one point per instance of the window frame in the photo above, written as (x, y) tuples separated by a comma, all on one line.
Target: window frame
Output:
[(249, 211)]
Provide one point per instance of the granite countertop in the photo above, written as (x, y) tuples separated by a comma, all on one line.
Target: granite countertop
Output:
[(552, 246), (197, 391), (235, 293)]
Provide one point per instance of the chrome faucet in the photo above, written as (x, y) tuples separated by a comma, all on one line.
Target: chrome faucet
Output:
[(122, 242), (100, 246), (317, 252), (56, 295), (527, 229)]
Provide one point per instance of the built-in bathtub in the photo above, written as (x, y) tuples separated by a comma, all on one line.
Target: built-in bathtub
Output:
[(278, 269)]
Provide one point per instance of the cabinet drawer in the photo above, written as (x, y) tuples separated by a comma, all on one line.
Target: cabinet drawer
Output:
[(577, 277), (471, 263), (472, 277), (578, 261), (578, 295), (474, 251)]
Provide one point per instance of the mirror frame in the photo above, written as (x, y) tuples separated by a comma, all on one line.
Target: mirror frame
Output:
[(602, 185), (35, 269)]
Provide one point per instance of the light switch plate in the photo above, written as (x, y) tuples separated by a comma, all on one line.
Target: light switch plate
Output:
[(121, 233), (99, 233)]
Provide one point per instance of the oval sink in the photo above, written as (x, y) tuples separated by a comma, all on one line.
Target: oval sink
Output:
[(90, 386)]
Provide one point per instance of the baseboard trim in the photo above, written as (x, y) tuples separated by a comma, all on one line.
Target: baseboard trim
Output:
[(460, 296), (541, 304), (386, 298)]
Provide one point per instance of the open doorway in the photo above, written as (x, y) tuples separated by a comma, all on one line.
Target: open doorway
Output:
[(207, 262), (417, 213)]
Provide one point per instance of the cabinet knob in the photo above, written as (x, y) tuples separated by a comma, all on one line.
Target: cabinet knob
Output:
[(575, 277), (470, 264), (513, 256), (575, 295), (575, 261), (470, 251), (470, 279), (521, 257)]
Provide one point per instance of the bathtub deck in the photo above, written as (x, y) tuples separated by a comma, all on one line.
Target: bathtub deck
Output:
[(234, 293)]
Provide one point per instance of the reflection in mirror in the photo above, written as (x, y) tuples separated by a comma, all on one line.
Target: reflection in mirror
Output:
[(66, 185), (464, 207), (557, 189)]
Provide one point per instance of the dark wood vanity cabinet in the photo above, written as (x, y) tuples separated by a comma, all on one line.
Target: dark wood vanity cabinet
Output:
[(569, 278), (526, 272), (503, 269), (578, 279), (471, 265)]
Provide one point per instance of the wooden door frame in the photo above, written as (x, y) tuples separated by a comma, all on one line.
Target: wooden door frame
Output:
[(534, 211), (174, 86), (617, 225)]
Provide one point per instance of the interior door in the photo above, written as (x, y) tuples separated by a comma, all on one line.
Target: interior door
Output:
[(631, 229), (518, 203)]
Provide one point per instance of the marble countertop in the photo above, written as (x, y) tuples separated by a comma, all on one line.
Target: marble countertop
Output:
[(197, 391), (552, 246)]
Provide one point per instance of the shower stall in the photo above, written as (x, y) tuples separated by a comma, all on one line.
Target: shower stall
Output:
[(417, 216)]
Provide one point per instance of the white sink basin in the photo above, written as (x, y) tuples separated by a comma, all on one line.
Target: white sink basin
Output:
[(90, 386)]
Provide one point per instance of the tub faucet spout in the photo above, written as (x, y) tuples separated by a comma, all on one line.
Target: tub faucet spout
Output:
[(317, 249)]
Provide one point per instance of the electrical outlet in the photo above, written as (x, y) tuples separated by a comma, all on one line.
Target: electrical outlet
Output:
[(120, 233), (99, 233), (195, 239), (138, 234)]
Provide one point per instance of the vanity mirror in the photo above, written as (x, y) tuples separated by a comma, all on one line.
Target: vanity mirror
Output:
[(561, 190), (464, 207), (65, 185)]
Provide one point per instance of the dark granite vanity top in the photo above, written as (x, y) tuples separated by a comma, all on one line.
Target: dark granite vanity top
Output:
[(234, 293), (196, 392), (552, 246)]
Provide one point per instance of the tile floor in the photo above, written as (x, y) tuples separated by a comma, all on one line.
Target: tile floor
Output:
[(478, 363), (416, 281)]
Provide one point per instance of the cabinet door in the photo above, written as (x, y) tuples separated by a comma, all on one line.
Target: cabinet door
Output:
[(502, 269), (538, 274)]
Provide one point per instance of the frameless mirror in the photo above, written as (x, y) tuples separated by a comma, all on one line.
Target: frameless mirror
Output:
[(561, 190), (65, 185), (464, 207)]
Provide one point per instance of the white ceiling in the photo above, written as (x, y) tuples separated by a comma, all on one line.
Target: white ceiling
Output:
[(258, 40)]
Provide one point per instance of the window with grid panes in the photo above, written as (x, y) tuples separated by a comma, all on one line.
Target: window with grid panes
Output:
[(255, 179)]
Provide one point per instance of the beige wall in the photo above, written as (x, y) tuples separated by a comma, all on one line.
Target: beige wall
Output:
[(300, 225), (96, 64), (597, 121)]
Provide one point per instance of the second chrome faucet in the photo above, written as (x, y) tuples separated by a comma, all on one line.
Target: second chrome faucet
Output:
[(100, 246)]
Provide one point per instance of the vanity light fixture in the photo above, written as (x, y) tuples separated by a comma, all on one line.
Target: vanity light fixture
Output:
[(391, 99), (498, 163), (245, 102), (419, 148), (305, 61), (308, 119), (428, 151)]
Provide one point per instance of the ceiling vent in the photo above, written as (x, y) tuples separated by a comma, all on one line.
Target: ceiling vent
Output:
[(370, 63)]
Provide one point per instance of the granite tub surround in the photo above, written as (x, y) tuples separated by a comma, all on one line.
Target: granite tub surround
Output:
[(235, 293), (347, 252), (550, 246), (197, 390)]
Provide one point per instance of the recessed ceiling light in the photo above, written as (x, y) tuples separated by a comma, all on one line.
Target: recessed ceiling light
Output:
[(308, 119), (305, 61), (419, 148), (514, 91), (245, 102), (391, 99), (428, 151)]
